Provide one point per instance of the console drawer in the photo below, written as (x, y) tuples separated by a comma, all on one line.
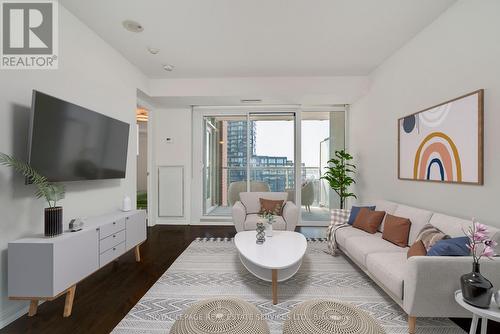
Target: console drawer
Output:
[(111, 241), (111, 254), (111, 228)]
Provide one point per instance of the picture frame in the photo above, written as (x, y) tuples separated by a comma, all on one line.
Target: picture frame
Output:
[(444, 143)]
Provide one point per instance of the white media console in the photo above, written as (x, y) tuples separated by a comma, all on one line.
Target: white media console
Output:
[(42, 268)]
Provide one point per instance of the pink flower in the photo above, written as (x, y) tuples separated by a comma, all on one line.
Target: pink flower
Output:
[(480, 236), (491, 243), (488, 252), (480, 228)]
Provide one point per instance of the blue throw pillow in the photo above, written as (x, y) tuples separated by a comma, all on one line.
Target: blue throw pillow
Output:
[(355, 211), (450, 247)]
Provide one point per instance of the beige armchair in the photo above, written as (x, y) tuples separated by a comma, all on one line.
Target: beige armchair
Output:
[(306, 193), (246, 211), (235, 188)]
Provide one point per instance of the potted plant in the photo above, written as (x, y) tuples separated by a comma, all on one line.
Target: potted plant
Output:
[(51, 192), (476, 289), (269, 216), (338, 175)]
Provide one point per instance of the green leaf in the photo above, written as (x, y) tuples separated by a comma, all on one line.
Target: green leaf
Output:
[(51, 192)]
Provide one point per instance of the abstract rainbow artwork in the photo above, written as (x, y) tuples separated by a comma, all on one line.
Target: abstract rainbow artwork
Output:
[(443, 143)]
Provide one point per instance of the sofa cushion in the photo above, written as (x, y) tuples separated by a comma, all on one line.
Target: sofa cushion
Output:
[(388, 269), (417, 217), (251, 199), (397, 230), (417, 249), (274, 207), (429, 235), (360, 247), (344, 233), (368, 220), (450, 247), (253, 219), (454, 227), (388, 207), (355, 211)]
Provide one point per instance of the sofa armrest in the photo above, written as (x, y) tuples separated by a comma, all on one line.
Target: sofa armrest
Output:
[(430, 283), (239, 213), (290, 215)]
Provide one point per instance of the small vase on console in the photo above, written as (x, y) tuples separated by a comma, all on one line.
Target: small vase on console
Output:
[(53, 221)]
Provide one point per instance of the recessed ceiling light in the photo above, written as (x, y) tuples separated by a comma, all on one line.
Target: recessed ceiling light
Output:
[(251, 101), (168, 67), (154, 51), (132, 26)]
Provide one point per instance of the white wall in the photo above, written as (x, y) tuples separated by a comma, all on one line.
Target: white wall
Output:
[(275, 90), (142, 158), (93, 75), (456, 54), (176, 124)]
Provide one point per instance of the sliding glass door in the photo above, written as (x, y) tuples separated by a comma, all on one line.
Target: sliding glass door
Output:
[(284, 150), (272, 153), (251, 152), (322, 133)]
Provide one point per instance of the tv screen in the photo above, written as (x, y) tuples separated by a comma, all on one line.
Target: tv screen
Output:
[(71, 143)]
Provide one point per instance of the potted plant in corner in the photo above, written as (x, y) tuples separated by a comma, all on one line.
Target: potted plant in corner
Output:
[(51, 192), (338, 175)]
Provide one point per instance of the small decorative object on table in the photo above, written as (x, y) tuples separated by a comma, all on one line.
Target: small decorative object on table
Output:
[(51, 192), (76, 225), (261, 236), (127, 204), (270, 217), (476, 289)]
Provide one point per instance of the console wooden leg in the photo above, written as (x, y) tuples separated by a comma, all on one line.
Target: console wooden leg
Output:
[(275, 286), (137, 254), (68, 304), (33, 307), (412, 324)]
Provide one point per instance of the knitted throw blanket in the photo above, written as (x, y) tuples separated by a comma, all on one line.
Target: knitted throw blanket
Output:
[(339, 220)]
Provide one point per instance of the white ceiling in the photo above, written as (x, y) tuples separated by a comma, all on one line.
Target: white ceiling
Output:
[(229, 38)]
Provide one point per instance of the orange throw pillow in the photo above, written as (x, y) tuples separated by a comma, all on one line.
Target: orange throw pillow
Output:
[(368, 220), (396, 230), (271, 206), (417, 249)]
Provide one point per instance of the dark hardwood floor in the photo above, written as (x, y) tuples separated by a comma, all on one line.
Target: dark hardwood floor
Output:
[(105, 297)]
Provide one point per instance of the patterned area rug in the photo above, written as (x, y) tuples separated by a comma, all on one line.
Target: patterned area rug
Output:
[(211, 268)]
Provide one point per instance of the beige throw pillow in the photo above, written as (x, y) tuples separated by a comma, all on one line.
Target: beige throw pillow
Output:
[(429, 235)]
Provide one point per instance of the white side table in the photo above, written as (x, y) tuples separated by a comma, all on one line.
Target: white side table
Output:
[(492, 313)]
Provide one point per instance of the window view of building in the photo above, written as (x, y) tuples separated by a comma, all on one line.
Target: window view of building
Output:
[(258, 154)]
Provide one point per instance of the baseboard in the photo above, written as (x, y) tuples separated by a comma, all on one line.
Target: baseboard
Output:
[(12, 314)]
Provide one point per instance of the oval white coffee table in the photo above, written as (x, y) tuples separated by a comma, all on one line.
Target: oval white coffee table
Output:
[(492, 313), (276, 260)]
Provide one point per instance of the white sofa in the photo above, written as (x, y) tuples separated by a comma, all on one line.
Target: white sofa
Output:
[(422, 285), (245, 212)]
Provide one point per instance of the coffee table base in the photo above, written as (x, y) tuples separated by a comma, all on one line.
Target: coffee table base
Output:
[(271, 275)]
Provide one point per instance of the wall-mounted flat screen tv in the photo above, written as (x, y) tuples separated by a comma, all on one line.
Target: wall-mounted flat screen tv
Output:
[(72, 143)]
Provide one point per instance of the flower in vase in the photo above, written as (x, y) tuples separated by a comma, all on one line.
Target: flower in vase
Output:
[(479, 243)]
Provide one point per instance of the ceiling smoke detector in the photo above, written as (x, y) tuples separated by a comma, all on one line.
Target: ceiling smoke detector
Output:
[(132, 26), (168, 67), (154, 51)]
